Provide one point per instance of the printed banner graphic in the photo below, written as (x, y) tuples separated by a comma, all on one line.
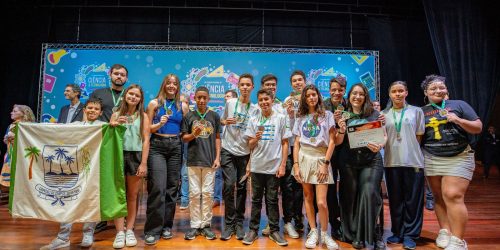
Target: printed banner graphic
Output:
[(217, 70), (68, 173)]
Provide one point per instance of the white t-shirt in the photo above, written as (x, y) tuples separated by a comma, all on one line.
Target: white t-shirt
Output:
[(405, 152), (96, 122), (266, 156), (233, 136), (314, 133)]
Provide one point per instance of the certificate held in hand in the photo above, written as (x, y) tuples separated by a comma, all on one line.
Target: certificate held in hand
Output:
[(360, 135)]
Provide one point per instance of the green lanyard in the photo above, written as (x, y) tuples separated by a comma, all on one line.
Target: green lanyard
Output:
[(276, 100), (236, 108), (169, 106), (263, 121), (442, 104), (114, 99), (202, 116), (396, 123)]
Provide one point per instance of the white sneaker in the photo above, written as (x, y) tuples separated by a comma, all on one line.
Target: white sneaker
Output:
[(443, 238), (266, 230), (456, 244), (56, 244), (131, 241), (328, 241), (119, 240), (87, 240), (312, 238), (290, 230)]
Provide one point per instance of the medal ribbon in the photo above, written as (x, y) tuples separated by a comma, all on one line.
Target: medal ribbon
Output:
[(202, 116), (114, 99), (442, 105), (169, 106), (236, 108), (263, 121), (396, 123)]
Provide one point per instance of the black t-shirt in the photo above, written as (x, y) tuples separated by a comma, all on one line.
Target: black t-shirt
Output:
[(443, 138), (201, 150), (106, 96), (357, 157)]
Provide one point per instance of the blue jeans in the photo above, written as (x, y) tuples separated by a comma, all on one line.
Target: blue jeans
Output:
[(184, 184), (218, 185)]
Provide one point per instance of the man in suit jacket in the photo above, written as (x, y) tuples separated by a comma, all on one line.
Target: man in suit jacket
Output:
[(73, 111)]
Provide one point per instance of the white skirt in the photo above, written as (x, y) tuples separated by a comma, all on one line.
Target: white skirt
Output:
[(310, 159), (461, 165)]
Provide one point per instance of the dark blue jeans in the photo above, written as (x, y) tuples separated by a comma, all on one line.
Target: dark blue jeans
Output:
[(164, 165)]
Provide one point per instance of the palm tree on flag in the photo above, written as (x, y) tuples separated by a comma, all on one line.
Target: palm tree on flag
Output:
[(69, 159), (33, 153), (61, 154), (50, 159)]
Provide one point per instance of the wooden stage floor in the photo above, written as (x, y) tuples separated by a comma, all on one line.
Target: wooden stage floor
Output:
[(483, 230)]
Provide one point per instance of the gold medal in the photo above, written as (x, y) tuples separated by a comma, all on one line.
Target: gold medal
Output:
[(169, 112), (340, 107), (346, 115), (398, 136), (312, 140), (130, 119), (114, 109), (443, 112), (261, 128)]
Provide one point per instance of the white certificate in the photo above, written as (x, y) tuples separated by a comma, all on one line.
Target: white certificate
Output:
[(360, 135)]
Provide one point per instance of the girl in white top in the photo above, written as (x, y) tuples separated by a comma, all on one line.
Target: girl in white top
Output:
[(130, 110), (314, 132), (404, 163)]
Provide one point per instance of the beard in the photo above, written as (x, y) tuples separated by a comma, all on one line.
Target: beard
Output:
[(118, 83)]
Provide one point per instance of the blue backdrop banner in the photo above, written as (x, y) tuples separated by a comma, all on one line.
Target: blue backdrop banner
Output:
[(217, 68)]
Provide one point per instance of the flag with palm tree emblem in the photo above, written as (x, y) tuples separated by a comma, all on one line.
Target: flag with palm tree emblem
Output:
[(67, 172)]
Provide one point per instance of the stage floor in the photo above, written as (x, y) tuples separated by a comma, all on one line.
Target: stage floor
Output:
[(483, 229)]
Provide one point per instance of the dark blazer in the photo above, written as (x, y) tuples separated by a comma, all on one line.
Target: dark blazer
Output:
[(63, 115)]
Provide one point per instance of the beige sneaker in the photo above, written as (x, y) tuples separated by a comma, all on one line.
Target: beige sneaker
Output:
[(312, 239), (443, 238), (456, 244), (328, 241), (290, 230), (266, 230)]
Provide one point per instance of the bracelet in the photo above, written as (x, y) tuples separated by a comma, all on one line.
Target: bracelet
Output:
[(295, 163), (341, 133)]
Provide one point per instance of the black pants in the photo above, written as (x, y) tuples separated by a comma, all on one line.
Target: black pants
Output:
[(265, 185), (490, 157), (360, 200), (405, 187), (164, 165), (233, 168), (285, 184)]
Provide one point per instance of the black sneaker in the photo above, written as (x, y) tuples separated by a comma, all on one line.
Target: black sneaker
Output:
[(299, 224), (150, 239), (167, 233), (227, 233), (191, 234), (276, 237), (250, 237), (101, 226), (240, 233), (208, 233)]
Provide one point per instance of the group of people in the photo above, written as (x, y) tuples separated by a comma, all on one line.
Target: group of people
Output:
[(298, 148)]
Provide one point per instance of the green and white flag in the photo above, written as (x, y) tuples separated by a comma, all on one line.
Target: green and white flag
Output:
[(68, 173)]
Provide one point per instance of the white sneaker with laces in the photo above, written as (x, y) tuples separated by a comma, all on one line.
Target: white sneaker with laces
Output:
[(290, 230), (87, 240), (443, 238), (119, 240), (131, 241), (456, 244), (56, 244), (266, 230), (328, 241), (312, 238)]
